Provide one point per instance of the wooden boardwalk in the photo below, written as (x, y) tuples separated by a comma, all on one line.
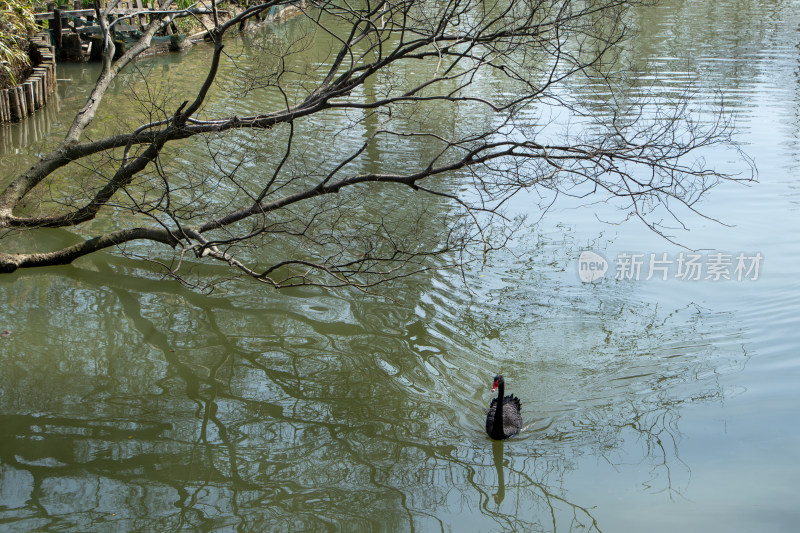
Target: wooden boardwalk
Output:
[(88, 13), (78, 11)]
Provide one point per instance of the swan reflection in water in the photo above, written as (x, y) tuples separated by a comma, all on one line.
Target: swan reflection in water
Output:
[(497, 452)]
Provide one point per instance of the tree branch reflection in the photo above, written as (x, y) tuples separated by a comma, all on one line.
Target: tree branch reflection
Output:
[(189, 411)]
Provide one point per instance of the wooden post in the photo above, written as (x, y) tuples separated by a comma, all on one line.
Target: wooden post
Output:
[(16, 109), (41, 74), (52, 68), (77, 5), (23, 100), (3, 97), (140, 7), (72, 47), (38, 84), (36, 93), (46, 82), (96, 53), (57, 30), (30, 87), (28, 90), (47, 62), (19, 101)]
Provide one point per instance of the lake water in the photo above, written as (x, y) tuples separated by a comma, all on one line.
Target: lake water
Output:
[(129, 403)]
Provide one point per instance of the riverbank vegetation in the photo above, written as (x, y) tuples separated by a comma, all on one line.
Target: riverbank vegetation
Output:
[(16, 24), (290, 218)]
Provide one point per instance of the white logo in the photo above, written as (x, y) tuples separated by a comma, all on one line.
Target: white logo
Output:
[(591, 266)]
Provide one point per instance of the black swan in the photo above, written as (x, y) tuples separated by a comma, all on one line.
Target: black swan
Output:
[(506, 422)]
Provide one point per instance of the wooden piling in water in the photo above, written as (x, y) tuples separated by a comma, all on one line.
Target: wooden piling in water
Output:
[(7, 104), (41, 74), (38, 99), (23, 102), (57, 29), (3, 99), (16, 106), (27, 89)]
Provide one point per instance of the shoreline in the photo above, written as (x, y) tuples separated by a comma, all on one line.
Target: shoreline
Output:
[(22, 100)]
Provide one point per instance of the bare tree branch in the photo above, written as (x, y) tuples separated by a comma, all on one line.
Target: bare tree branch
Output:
[(496, 68)]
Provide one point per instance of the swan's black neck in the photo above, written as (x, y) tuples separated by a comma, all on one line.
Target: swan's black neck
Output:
[(497, 426)]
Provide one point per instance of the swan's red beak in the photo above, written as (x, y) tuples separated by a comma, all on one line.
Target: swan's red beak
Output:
[(494, 387)]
